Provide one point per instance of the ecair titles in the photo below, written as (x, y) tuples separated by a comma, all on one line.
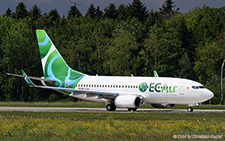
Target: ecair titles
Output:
[(158, 87)]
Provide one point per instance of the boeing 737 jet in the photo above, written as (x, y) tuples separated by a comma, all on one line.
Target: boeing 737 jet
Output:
[(117, 91)]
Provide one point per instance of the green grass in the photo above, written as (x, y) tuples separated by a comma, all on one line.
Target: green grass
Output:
[(91, 116), (108, 125)]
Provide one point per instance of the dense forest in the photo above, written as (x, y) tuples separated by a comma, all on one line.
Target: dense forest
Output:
[(124, 40)]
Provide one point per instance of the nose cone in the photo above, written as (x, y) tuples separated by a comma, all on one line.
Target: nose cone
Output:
[(208, 94)]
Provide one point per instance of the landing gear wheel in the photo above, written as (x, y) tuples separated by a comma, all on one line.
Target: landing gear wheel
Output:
[(132, 109), (190, 109), (110, 107)]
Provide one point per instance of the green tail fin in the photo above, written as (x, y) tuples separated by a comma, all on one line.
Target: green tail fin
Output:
[(54, 66)]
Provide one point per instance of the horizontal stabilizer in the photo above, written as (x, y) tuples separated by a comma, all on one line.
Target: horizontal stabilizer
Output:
[(30, 77)]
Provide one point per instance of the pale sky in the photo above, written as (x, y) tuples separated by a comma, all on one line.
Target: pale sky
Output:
[(63, 6)]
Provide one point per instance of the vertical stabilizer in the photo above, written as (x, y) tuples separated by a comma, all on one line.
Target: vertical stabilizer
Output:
[(54, 66)]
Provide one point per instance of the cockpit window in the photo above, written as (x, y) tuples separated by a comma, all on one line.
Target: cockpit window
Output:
[(198, 87)]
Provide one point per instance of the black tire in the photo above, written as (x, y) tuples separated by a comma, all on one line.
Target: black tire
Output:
[(110, 107), (190, 109)]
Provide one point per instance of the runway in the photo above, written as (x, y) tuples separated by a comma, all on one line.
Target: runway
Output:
[(56, 109)]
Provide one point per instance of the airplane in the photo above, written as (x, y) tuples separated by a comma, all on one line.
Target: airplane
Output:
[(117, 91)]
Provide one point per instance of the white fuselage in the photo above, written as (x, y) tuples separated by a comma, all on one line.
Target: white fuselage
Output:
[(162, 90)]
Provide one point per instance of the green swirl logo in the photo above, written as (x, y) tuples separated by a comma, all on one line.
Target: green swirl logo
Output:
[(143, 87)]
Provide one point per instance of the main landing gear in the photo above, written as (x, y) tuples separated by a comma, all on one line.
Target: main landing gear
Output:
[(110, 107), (190, 109)]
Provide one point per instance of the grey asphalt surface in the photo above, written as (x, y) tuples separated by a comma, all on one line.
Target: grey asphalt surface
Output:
[(56, 109)]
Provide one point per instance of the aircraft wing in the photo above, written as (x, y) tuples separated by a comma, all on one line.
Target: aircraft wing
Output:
[(76, 91)]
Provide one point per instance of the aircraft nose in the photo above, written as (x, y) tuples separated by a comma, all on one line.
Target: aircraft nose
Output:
[(208, 94)]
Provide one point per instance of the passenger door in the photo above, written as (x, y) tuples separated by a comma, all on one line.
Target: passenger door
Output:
[(181, 89)]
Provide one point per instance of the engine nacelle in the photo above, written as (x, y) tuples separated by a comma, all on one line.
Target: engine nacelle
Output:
[(163, 105), (127, 101)]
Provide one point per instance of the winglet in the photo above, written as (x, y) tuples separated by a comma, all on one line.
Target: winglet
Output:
[(27, 79), (155, 74)]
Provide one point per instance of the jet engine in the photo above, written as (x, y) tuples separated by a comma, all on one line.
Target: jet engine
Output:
[(163, 105), (127, 101)]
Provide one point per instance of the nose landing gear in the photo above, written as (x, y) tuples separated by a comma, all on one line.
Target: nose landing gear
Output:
[(190, 109)]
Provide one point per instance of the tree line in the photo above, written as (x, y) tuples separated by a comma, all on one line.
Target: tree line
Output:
[(124, 40)]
